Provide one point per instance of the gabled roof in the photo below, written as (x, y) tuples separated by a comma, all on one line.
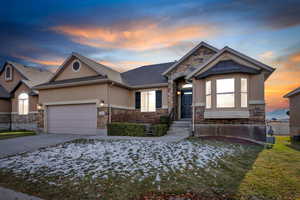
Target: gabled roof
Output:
[(146, 75), (234, 52), (201, 44), (97, 67), (228, 67), (32, 75), (3, 93), (292, 93)]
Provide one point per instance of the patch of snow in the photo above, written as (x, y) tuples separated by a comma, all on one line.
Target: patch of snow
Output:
[(132, 158)]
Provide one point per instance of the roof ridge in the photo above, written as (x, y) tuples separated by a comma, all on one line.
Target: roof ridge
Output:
[(148, 66)]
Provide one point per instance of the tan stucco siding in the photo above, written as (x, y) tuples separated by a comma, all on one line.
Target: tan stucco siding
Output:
[(69, 73), (79, 93), (119, 96), (164, 91), (10, 84), (32, 99), (255, 89), (5, 105), (295, 114)]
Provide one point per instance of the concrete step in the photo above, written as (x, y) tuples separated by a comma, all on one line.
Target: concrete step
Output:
[(180, 128), (182, 122), (185, 119), (181, 125)]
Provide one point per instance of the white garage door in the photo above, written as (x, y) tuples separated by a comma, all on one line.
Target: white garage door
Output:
[(72, 119)]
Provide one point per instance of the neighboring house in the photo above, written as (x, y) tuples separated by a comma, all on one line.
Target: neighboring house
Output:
[(18, 101), (220, 91), (294, 101)]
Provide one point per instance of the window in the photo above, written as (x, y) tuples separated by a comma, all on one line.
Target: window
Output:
[(23, 104), (208, 94), (244, 93), (8, 73), (225, 93), (148, 101), (76, 65)]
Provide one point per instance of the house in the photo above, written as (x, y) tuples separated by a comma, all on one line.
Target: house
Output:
[(220, 90), (294, 101), (18, 99)]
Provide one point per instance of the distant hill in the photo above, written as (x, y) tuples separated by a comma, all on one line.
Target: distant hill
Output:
[(279, 114)]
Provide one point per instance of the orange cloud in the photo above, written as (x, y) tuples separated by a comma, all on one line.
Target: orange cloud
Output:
[(284, 79), (55, 62), (141, 36), (123, 66)]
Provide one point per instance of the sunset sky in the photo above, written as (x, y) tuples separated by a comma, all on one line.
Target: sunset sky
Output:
[(125, 34)]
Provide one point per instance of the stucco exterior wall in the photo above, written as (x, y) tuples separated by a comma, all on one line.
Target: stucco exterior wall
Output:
[(295, 114), (69, 73), (119, 96), (79, 93), (10, 84)]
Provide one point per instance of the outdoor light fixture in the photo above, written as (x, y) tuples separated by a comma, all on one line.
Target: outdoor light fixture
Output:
[(178, 93), (39, 107), (102, 103)]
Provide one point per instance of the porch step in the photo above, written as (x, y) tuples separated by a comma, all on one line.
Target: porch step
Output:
[(180, 127)]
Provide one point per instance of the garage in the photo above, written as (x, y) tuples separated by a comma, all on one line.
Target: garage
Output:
[(72, 119)]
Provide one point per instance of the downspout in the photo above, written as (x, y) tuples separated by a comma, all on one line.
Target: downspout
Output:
[(108, 102), (193, 114)]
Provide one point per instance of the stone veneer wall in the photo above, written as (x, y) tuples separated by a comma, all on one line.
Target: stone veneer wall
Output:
[(24, 122), (253, 128), (5, 122)]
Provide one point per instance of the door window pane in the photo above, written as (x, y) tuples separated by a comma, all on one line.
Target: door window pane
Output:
[(244, 85), (208, 101), (208, 94), (244, 100)]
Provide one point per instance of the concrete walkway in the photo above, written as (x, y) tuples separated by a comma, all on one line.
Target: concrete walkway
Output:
[(8, 194)]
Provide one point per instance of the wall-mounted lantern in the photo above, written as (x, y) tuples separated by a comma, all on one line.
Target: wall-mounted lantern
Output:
[(178, 92), (102, 103)]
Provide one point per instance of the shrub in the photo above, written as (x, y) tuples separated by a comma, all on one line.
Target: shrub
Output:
[(159, 129), (125, 129), (164, 119)]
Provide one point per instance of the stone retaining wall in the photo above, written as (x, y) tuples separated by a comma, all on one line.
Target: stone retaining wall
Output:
[(24, 122), (4, 122), (252, 128)]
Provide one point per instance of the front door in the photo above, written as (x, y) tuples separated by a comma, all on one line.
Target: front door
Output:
[(186, 104)]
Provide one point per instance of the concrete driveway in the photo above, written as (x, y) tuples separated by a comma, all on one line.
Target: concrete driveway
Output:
[(31, 143)]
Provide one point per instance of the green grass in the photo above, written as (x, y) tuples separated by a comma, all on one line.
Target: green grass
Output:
[(13, 134), (256, 173)]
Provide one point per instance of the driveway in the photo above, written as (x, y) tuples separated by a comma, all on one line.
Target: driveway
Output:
[(31, 143)]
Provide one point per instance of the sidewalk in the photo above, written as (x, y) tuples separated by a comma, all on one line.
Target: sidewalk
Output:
[(7, 194)]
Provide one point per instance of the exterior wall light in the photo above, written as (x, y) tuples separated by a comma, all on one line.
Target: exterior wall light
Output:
[(39, 107), (102, 103), (178, 93)]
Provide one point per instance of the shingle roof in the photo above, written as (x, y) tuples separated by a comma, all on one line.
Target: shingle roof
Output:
[(292, 93), (3, 93), (228, 67), (146, 75), (34, 75)]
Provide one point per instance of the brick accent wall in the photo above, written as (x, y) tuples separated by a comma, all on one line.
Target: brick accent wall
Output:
[(136, 116), (26, 122), (253, 128), (5, 120)]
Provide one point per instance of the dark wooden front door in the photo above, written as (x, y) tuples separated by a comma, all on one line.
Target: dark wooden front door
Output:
[(186, 104)]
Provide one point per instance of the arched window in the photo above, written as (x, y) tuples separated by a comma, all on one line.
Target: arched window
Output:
[(23, 101), (8, 73)]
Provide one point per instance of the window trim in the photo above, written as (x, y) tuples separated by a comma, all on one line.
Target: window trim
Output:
[(23, 112), (243, 92), (208, 95), (76, 60), (147, 107), (216, 93), (5, 73)]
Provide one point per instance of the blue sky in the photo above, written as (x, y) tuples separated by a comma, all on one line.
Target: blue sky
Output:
[(125, 34)]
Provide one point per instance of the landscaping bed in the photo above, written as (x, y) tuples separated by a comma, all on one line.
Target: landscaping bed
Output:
[(12, 134), (135, 169)]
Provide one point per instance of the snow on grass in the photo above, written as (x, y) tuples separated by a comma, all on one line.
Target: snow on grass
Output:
[(132, 158)]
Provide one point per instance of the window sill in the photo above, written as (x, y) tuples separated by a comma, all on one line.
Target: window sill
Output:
[(238, 114)]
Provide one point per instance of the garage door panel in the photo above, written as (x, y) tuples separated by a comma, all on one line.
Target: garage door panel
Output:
[(74, 119)]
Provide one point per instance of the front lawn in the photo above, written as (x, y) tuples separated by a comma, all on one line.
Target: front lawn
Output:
[(12, 134), (96, 169)]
